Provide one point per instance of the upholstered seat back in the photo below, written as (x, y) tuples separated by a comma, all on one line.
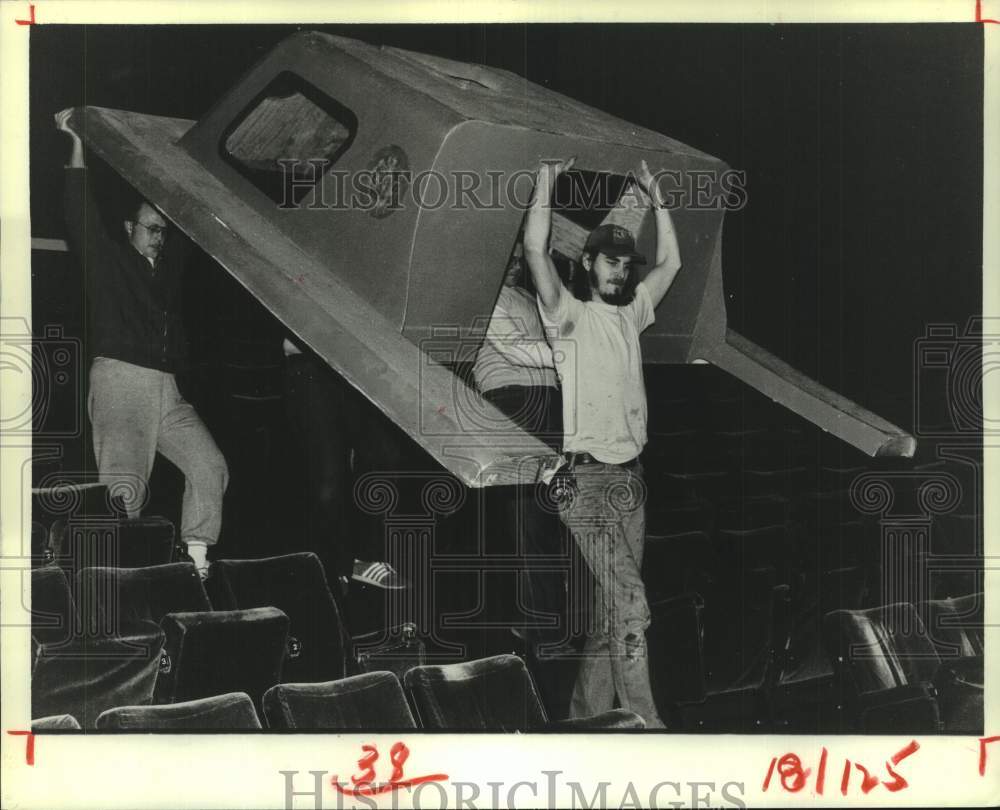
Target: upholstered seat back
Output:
[(491, 694), (294, 583), (89, 675), (59, 722), (89, 541), (53, 612), (124, 600), (230, 712), (881, 648), (674, 640), (373, 701), (213, 653), (955, 625)]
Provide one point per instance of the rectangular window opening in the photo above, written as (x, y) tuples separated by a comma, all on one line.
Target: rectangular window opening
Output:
[(288, 137)]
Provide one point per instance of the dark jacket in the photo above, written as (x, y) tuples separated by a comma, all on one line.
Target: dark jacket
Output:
[(133, 311)]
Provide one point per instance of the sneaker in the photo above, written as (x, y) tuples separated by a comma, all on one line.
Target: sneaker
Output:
[(198, 554), (378, 575)]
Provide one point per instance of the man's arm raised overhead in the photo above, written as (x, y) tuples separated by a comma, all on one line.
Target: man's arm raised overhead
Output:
[(668, 254), (536, 234)]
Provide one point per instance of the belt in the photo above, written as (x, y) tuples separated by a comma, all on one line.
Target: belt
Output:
[(574, 459)]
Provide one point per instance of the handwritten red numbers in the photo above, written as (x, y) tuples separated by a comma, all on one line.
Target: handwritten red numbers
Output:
[(398, 754), (364, 781), (366, 763), (793, 776)]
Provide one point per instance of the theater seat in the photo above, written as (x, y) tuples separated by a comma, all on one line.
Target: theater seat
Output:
[(131, 599), (894, 677), (318, 645), (52, 608), (493, 694), (744, 625), (805, 697), (86, 542), (955, 626), (205, 652), (85, 676), (210, 653), (956, 630), (230, 712), (675, 643), (61, 500), (59, 722), (373, 701)]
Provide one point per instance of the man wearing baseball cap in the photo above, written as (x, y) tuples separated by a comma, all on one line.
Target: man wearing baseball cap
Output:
[(599, 363)]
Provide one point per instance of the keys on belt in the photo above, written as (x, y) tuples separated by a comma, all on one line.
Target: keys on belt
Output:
[(563, 487)]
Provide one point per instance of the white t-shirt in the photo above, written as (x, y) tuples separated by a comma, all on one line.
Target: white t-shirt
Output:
[(514, 351), (598, 360)]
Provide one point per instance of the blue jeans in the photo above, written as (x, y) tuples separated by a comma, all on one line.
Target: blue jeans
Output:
[(607, 517)]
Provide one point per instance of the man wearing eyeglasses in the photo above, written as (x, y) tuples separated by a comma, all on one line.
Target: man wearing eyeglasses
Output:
[(137, 343)]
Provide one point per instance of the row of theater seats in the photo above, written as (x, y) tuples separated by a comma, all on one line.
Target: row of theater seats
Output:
[(109, 537), (742, 636), (150, 635), (890, 669), (128, 636), (771, 540), (494, 694)]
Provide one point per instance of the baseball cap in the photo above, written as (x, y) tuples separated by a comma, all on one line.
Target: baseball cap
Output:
[(613, 240)]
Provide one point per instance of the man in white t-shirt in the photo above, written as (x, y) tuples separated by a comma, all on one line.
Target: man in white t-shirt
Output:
[(599, 363)]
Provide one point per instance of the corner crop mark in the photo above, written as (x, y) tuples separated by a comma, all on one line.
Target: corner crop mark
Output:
[(979, 14), (29, 747), (31, 16)]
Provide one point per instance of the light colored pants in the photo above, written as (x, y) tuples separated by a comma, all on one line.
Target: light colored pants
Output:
[(608, 520), (135, 412)]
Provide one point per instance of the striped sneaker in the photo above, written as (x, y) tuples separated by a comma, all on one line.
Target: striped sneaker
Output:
[(378, 575)]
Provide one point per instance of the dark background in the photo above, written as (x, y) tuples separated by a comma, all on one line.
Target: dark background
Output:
[(862, 147)]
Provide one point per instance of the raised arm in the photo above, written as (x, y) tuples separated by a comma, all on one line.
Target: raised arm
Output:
[(536, 234), (668, 254), (86, 230), (76, 155)]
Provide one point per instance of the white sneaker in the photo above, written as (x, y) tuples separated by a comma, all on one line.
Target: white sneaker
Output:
[(378, 575), (198, 552)]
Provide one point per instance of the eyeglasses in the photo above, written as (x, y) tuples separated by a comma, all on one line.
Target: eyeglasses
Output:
[(155, 230)]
